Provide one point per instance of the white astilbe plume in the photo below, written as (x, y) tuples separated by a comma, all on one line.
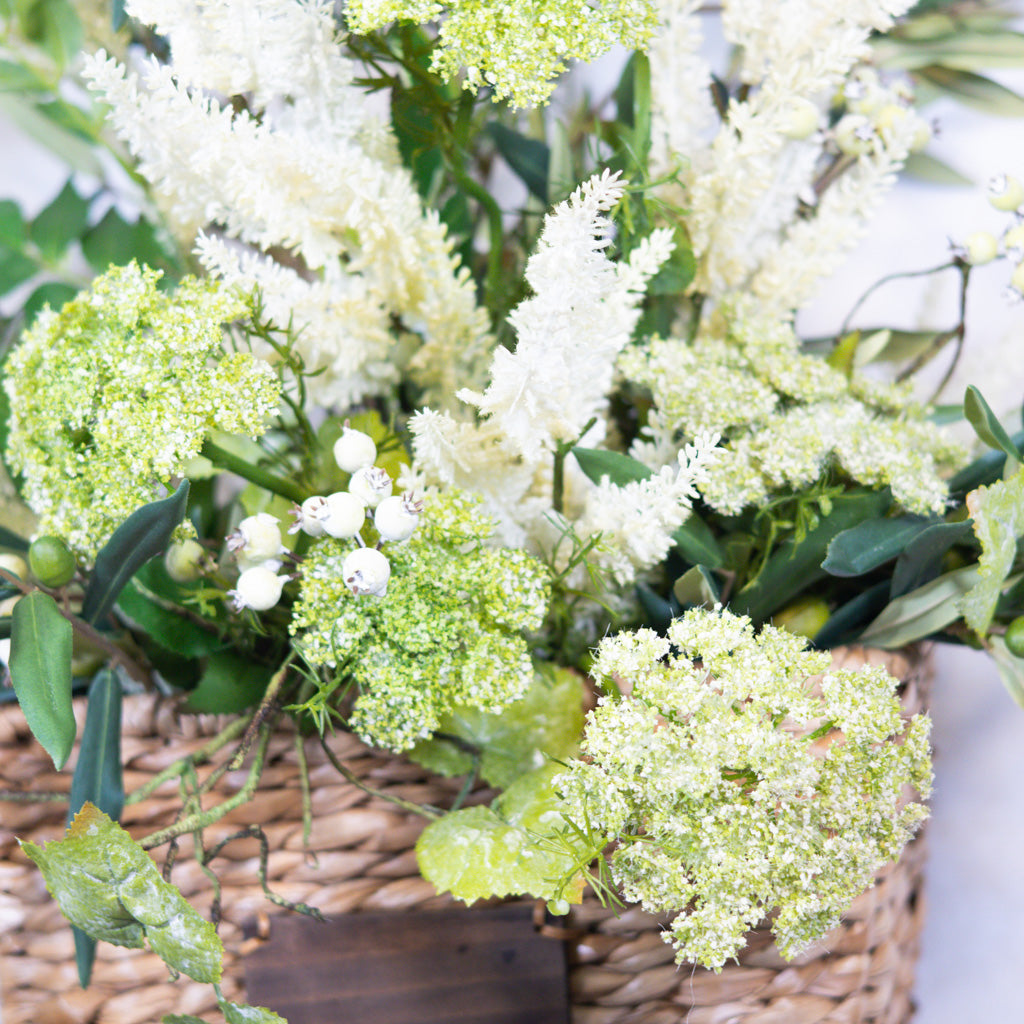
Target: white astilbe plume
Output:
[(569, 333), (315, 173)]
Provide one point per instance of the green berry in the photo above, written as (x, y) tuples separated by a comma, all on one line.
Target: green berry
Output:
[(804, 617), (1015, 637), (51, 562)]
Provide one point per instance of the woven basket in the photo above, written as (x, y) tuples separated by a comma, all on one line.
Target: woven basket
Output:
[(360, 857)]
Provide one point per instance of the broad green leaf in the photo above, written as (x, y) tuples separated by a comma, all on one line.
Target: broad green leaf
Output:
[(676, 273), (40, 665), (658, 611), (521, 845), (114, 240), (870, 544), (19, 78), (15, 269), (228, 685), (986, 425), (696, 543), (145, 533), (242, 1013), (12, 225), (795, 566), (998, 514), (51, 293), (696, 587), (546, 723), (56, 28), (922, 612), (926, 167), (620, 469), (1010, 668), (165, 625), (106, 884), (60, 223), (37, 121), (963, 49), (975, 90), (530, 159), (921, 561), (97, 780)]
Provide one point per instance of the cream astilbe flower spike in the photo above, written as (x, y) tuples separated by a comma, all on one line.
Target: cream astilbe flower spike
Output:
[(314, 173)]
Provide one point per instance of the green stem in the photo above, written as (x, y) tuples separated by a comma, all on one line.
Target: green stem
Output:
[(495, 227), (224, 459)]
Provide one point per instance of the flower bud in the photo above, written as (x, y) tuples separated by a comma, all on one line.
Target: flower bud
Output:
[(1005, 193), (854, 135), (306, 516), (803, 118), (354, 449), (184, 561), (257, 539), (396, 517), (981, 247), (366, 571), (342, 515), (14, 564), (51, 562), (258, 588), (371, 485)]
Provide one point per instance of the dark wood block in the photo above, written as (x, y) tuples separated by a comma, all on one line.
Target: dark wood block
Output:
[(458, 966)]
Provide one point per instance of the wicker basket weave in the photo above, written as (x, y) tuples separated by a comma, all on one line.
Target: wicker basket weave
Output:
[(360, 857)]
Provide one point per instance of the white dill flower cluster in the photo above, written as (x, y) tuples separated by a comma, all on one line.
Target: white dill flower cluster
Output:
[(448, 630), (514, 48), (734, 785), (785, 415), (113, 395), (310, 171)]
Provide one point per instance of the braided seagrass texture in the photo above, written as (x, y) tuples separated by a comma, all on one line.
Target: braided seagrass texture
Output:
[(359, 856)]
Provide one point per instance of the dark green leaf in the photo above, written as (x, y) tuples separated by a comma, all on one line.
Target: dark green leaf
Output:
[(697, 544), (530, 159), (986, 469), (921, 561), (15, 269), (145, 533), (12, 225), (230, 684), (40, 665), (53, 294), (795, 566), (676, 273), (110, 241), (167, 626), (986, 425), (870, 544), (620, 469), (59, 223), (846, 622), (657, 610), (118, 15), (98, 780), (11, 541)]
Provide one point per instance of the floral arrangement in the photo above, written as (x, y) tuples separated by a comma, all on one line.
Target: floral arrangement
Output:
[(344, 434)]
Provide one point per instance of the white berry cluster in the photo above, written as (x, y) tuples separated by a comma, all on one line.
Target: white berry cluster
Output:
[(1006, 194), (256, 545), (876, 111)]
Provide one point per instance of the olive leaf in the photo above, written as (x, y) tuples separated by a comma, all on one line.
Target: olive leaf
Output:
[(107, 885), (980, 416)]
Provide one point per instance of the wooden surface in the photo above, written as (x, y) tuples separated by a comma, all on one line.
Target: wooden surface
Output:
[(484, 966)]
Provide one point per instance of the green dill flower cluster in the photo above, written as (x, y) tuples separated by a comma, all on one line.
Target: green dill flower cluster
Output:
[(448, 631), (785, 414), (111, 397), (728, 789), (516, 48)]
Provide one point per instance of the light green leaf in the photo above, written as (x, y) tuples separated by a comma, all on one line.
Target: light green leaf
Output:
[(1010, 668), (922, 612), (696, 587), (975, 91), (107, 885), (998, 514), (521, 845), (40, 665), (546, 723), (15, 269), (12, 224), (242, 1013), (986, 424), (696, 543), (926, 167), (56, 226), (620, 469), (181, 1018), (37, 121)]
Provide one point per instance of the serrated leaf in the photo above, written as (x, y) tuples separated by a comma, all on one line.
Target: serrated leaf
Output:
[(986, 424), (242, 1013), (107, 885), (620, 469), (58, 224), (922, 612), (530, 159), (998, 514), (145, 533), (975, 90), (696, 543), (546, 723), (229, 684), (870, 544), (921, 560), (40, 666), (520, 845)]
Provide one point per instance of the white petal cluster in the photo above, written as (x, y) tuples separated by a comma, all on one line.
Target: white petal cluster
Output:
[(314, 173)]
